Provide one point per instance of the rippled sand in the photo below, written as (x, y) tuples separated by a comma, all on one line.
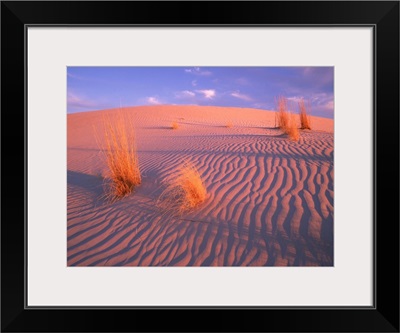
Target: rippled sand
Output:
[(270, 200)]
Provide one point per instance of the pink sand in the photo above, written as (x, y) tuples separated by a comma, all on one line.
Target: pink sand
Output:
[(270, 200)]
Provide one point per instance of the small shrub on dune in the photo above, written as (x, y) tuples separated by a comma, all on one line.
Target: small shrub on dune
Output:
[(292, 129), (305, 121), (183, 192), (174, 125), (286, 120), (282, 115), (229, 124), (121, 157)]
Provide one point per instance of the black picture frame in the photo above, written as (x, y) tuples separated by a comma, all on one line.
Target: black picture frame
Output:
[(383, 316)]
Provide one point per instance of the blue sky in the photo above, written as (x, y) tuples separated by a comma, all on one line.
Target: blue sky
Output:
[(96, 88)]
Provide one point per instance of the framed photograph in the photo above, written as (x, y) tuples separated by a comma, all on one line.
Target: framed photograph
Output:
[(216, 160)]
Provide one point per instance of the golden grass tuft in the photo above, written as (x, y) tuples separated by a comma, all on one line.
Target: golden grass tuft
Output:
[(286, 120), (229, 124), (121, 156), (292, 130), (282, 114), (183, 191), (174, 125), (305, 120)]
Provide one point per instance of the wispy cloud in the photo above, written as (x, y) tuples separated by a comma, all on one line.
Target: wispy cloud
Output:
[(323, 102), (198, 71), (207, 93), (194, 83), (295, 99), (84, 77), (320, 102), (153, 100), (80, 102), (185, 94), (242, 96), (74, 76), (328, 106)]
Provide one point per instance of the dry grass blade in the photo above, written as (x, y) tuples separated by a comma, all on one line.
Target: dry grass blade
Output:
[(286, 120), (305, 121), (292, 129), (282, 115), (183, 192), (121, 156)]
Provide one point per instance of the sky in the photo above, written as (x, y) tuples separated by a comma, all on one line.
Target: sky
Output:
[(97, 88)]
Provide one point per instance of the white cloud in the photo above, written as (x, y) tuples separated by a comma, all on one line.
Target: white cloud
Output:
[(295, 99), (194, 83), (198, 71), (153, 100), (184, 94), (207, 93), (321, 97), (241, 96)]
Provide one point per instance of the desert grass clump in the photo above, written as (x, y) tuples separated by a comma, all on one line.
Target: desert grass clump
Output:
[(174, 125), (121, 156), (229, 124), (282, 114), (305, 121), (286, 120), (292, 129), (184, 190)]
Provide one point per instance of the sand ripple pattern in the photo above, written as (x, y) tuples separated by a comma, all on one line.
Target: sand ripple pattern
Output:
[(270, 200)]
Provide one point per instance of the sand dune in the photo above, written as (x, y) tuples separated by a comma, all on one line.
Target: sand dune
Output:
[(270, 200)]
